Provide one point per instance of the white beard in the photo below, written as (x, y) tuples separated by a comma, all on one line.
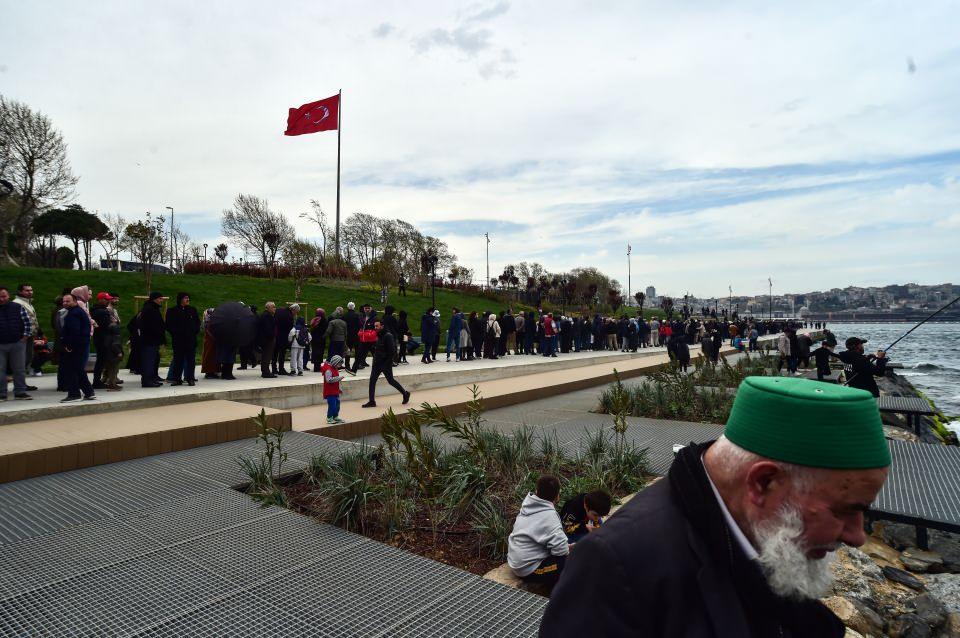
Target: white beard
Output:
[(784, 561)]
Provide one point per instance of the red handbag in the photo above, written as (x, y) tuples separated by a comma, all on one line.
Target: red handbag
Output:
[(368, 336)]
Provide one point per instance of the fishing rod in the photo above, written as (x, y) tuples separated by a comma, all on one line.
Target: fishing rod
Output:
[(921, 323), (903, 336)]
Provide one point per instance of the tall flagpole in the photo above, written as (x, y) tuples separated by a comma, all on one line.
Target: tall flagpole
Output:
[(339, 121)]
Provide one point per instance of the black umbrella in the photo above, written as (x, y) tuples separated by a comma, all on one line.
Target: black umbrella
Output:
[(233, 324)]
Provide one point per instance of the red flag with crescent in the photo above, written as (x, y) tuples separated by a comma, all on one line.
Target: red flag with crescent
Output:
[(322, 115)]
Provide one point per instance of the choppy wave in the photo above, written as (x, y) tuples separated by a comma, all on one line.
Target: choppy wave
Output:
[(933, 367)]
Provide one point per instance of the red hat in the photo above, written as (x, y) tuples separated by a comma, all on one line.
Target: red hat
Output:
[(104, 296)]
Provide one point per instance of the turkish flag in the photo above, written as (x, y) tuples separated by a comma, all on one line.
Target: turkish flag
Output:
[(323, 115)]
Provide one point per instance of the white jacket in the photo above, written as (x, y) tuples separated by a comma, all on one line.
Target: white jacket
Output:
[(537, 533), (292, 338)]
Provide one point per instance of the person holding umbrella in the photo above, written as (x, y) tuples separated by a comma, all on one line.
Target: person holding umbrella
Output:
[(233, 326)]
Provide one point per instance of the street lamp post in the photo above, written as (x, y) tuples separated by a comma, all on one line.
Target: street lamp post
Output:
[(433, 280), (770, 281), (172, 247), (487, 282)]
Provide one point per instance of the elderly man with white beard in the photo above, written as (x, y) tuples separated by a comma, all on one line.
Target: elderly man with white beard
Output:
[(737, 541)]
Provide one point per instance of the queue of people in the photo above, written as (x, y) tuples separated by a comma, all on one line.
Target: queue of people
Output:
[(285, 342)]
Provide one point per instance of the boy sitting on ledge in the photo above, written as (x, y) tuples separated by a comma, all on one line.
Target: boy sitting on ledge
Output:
[(584, 513), (537, 548)]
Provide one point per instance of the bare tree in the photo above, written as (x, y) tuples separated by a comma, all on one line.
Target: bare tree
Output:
[(318, 217), (146, 244), (183, 247), (115, 241), (301, 257), (33, 157), (250, 224)]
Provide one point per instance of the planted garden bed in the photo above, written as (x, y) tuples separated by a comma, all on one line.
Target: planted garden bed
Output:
[(453, 499)]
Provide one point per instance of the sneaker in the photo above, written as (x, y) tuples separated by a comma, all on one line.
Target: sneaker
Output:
[(338, 420), (331, 420), (70, 399), (23, 396), (38, 374), (32, 388), (92, 397), (300, 373), (369, 404), (406, 398)]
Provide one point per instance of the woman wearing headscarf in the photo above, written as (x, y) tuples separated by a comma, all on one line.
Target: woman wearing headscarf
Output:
[(492, 337)]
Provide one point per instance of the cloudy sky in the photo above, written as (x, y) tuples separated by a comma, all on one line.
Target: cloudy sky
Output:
[(817, 143)]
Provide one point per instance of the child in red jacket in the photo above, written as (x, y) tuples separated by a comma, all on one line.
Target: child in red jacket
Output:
[(331, 387)]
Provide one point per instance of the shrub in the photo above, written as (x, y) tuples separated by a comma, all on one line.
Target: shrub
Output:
[(493, 527)]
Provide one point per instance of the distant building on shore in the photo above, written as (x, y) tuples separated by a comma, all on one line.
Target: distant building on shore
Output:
[(651, 292)]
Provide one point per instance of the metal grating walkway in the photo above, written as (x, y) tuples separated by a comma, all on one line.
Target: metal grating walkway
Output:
[(922, 487), (164, 547)]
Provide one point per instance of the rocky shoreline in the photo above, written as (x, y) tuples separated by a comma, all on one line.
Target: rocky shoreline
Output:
[(889, 587)]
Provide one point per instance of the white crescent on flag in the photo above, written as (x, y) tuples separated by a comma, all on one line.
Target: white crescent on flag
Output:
[(310, 114)]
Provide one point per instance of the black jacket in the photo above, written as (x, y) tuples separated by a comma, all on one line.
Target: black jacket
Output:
[(859, 370), (284, 319), (152, 330), (101, 315), (183, 324), (385, 349), (75, 333), (266, 328), (667, 565), (352, 319)]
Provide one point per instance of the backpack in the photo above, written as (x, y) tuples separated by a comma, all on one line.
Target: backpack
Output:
[(303, 337)]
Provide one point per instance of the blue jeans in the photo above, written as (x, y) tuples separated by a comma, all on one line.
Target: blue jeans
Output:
[(453, 343), (333, 406)]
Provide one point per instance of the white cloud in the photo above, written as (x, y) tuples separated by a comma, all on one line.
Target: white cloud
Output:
[(622, 110)]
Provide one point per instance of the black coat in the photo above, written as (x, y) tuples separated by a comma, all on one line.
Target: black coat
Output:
[(859, 370), (352, 319), (668, 565), (385, 349), (284, 319), (152, 329), (183, 324), (266, 328)]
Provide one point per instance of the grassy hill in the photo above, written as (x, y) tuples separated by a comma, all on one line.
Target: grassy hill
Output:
[(208, 291)]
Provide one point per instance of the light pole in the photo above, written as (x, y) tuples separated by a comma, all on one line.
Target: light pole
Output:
[(770, 281), (433, 280), (629, 286), (204, 252), (487, 283), (172, 248)]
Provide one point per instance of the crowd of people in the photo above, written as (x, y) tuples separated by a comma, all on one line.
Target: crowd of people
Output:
[(285, 342)]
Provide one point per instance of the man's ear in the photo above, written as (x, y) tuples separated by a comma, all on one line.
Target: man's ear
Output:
[(762, 478)]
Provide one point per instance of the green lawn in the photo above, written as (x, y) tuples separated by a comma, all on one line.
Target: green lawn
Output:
[(207, 291)]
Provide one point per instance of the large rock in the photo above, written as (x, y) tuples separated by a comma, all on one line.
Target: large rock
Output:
[(903, 577), (945, 544), (946, 589), (856, 615), (885, 555), (930, 610), (853, 572), (920, 561), (909, 626), (951, 629)]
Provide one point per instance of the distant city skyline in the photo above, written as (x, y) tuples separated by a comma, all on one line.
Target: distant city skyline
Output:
[(726, 143)]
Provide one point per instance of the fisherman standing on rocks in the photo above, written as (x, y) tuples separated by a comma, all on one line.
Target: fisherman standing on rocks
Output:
[(860, 368), (738, 539)]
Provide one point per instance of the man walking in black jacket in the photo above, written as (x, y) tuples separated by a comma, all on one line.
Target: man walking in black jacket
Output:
[(183, 324), (152, 336), (383, 353), (284, 318)]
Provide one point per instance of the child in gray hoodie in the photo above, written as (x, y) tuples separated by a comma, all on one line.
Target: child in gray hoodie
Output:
[(537, 548)]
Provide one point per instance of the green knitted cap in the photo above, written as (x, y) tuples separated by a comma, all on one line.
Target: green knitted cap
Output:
[(808, 423)]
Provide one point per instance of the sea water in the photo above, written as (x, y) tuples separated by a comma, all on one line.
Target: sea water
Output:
[(930, 355)]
